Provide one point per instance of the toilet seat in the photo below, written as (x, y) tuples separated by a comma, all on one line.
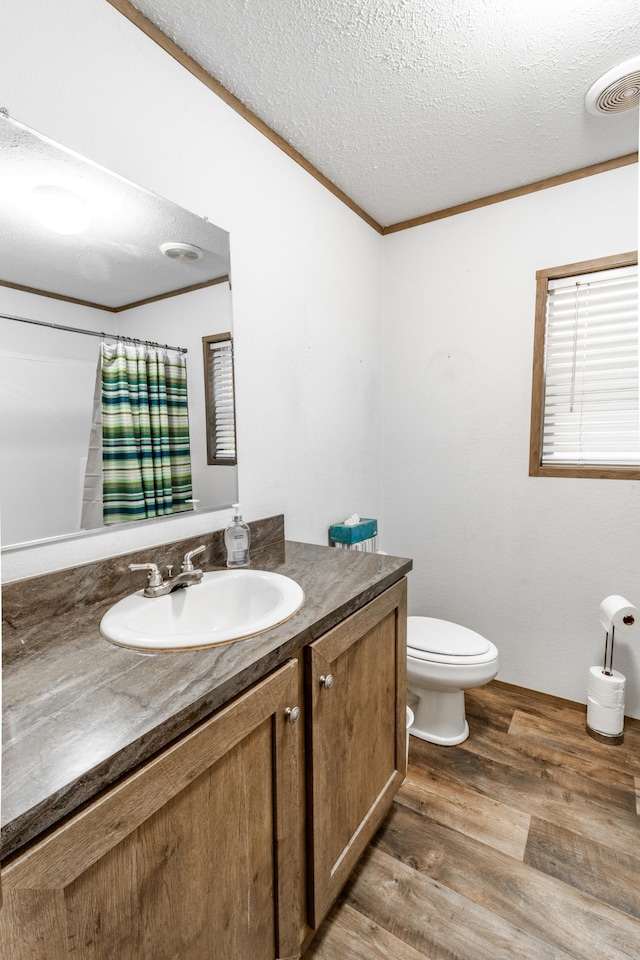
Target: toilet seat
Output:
[(440, 641)]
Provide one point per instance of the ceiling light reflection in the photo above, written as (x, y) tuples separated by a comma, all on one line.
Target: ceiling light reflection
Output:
[(60, 209)]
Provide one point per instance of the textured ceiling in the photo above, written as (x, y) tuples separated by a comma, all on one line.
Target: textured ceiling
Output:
[(413, 106)]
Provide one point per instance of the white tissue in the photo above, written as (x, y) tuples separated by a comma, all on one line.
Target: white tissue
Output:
[(352, 520), (605, 702), (618, 612)]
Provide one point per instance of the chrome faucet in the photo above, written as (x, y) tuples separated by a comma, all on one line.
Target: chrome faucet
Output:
[(157, 586)]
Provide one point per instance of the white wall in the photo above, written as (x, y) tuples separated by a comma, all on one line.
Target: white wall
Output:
[(306, 279), (524, 561)]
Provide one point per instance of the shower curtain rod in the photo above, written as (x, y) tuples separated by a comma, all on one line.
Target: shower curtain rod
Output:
[(92, 333)]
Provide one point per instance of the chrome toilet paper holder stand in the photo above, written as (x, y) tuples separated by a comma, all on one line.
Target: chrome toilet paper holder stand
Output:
[(607, 669)]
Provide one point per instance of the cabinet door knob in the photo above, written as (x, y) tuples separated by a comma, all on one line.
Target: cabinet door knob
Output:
[(292, 714), (327, 682)]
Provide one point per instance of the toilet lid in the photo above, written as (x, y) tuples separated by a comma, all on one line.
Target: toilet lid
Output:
[(444, 638)]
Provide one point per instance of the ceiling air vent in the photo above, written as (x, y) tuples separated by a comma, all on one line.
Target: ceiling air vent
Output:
[(618, 90), (181, 251)]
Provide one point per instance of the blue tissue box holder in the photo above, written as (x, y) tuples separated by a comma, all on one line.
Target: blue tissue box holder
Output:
[(341, 533)]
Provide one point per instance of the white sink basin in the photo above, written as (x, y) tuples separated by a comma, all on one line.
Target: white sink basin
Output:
[(226, 605)]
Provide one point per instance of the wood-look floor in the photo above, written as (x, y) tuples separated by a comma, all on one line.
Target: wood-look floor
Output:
[(523, 843)]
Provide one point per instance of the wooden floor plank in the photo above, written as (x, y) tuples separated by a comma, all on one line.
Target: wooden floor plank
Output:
[(599, 870), (480, 766), (500, 698), (436, 920), (537, 904), (349, 935), (496, 703), (637, 786), (584, 776), (454, 805), (624, 757)]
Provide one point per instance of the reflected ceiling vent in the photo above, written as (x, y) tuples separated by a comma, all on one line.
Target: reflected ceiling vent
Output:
[(185, 252), (618, 90)]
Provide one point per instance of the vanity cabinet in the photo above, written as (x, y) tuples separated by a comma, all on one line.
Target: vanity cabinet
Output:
[(356, 729), (194, 855), (234, 841)]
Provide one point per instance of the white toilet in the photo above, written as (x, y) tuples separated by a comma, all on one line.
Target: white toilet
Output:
[(443, 660)]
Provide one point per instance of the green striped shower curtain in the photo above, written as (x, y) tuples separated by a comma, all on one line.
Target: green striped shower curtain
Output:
[(145, 433)]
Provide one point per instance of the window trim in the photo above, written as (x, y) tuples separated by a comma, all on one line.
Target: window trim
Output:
[(536, 468)]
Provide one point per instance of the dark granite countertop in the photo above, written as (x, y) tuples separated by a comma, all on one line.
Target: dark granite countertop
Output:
[(79, 712)]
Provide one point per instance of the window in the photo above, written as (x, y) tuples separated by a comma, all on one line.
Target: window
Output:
[(585, 417), (220, 399)]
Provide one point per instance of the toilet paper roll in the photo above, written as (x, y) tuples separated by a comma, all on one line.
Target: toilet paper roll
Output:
[(607, 689), (605, 702), (617, 611)]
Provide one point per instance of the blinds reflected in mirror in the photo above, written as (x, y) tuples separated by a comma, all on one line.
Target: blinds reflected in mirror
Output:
[(220, 399)]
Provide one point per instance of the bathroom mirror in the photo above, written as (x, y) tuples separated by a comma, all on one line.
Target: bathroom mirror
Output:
[(122, 261)]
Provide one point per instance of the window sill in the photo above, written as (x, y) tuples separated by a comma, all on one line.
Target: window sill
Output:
[(588, 471)]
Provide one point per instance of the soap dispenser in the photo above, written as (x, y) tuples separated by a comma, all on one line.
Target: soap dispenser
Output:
[(237, 538)]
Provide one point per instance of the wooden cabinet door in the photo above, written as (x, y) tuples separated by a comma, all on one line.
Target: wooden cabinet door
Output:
[(193, 856), (356, 730)]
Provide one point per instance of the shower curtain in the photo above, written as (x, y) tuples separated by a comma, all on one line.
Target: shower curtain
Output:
[(146, 464)]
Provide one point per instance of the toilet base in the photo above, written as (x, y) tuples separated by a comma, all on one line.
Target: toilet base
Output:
[(440, 717)]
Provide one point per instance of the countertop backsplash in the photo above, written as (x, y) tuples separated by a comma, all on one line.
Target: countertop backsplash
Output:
[(37, 600)]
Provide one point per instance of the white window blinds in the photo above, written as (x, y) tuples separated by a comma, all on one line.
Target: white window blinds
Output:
[(221, 419), (591, 412)]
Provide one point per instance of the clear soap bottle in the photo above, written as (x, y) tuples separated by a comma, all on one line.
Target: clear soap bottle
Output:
[(237, 538)]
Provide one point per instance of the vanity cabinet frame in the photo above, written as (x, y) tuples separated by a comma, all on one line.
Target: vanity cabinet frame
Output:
[(356, 739), (98, 886)]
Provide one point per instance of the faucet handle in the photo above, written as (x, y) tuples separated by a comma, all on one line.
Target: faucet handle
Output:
[(187, 563), (154, 577)]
